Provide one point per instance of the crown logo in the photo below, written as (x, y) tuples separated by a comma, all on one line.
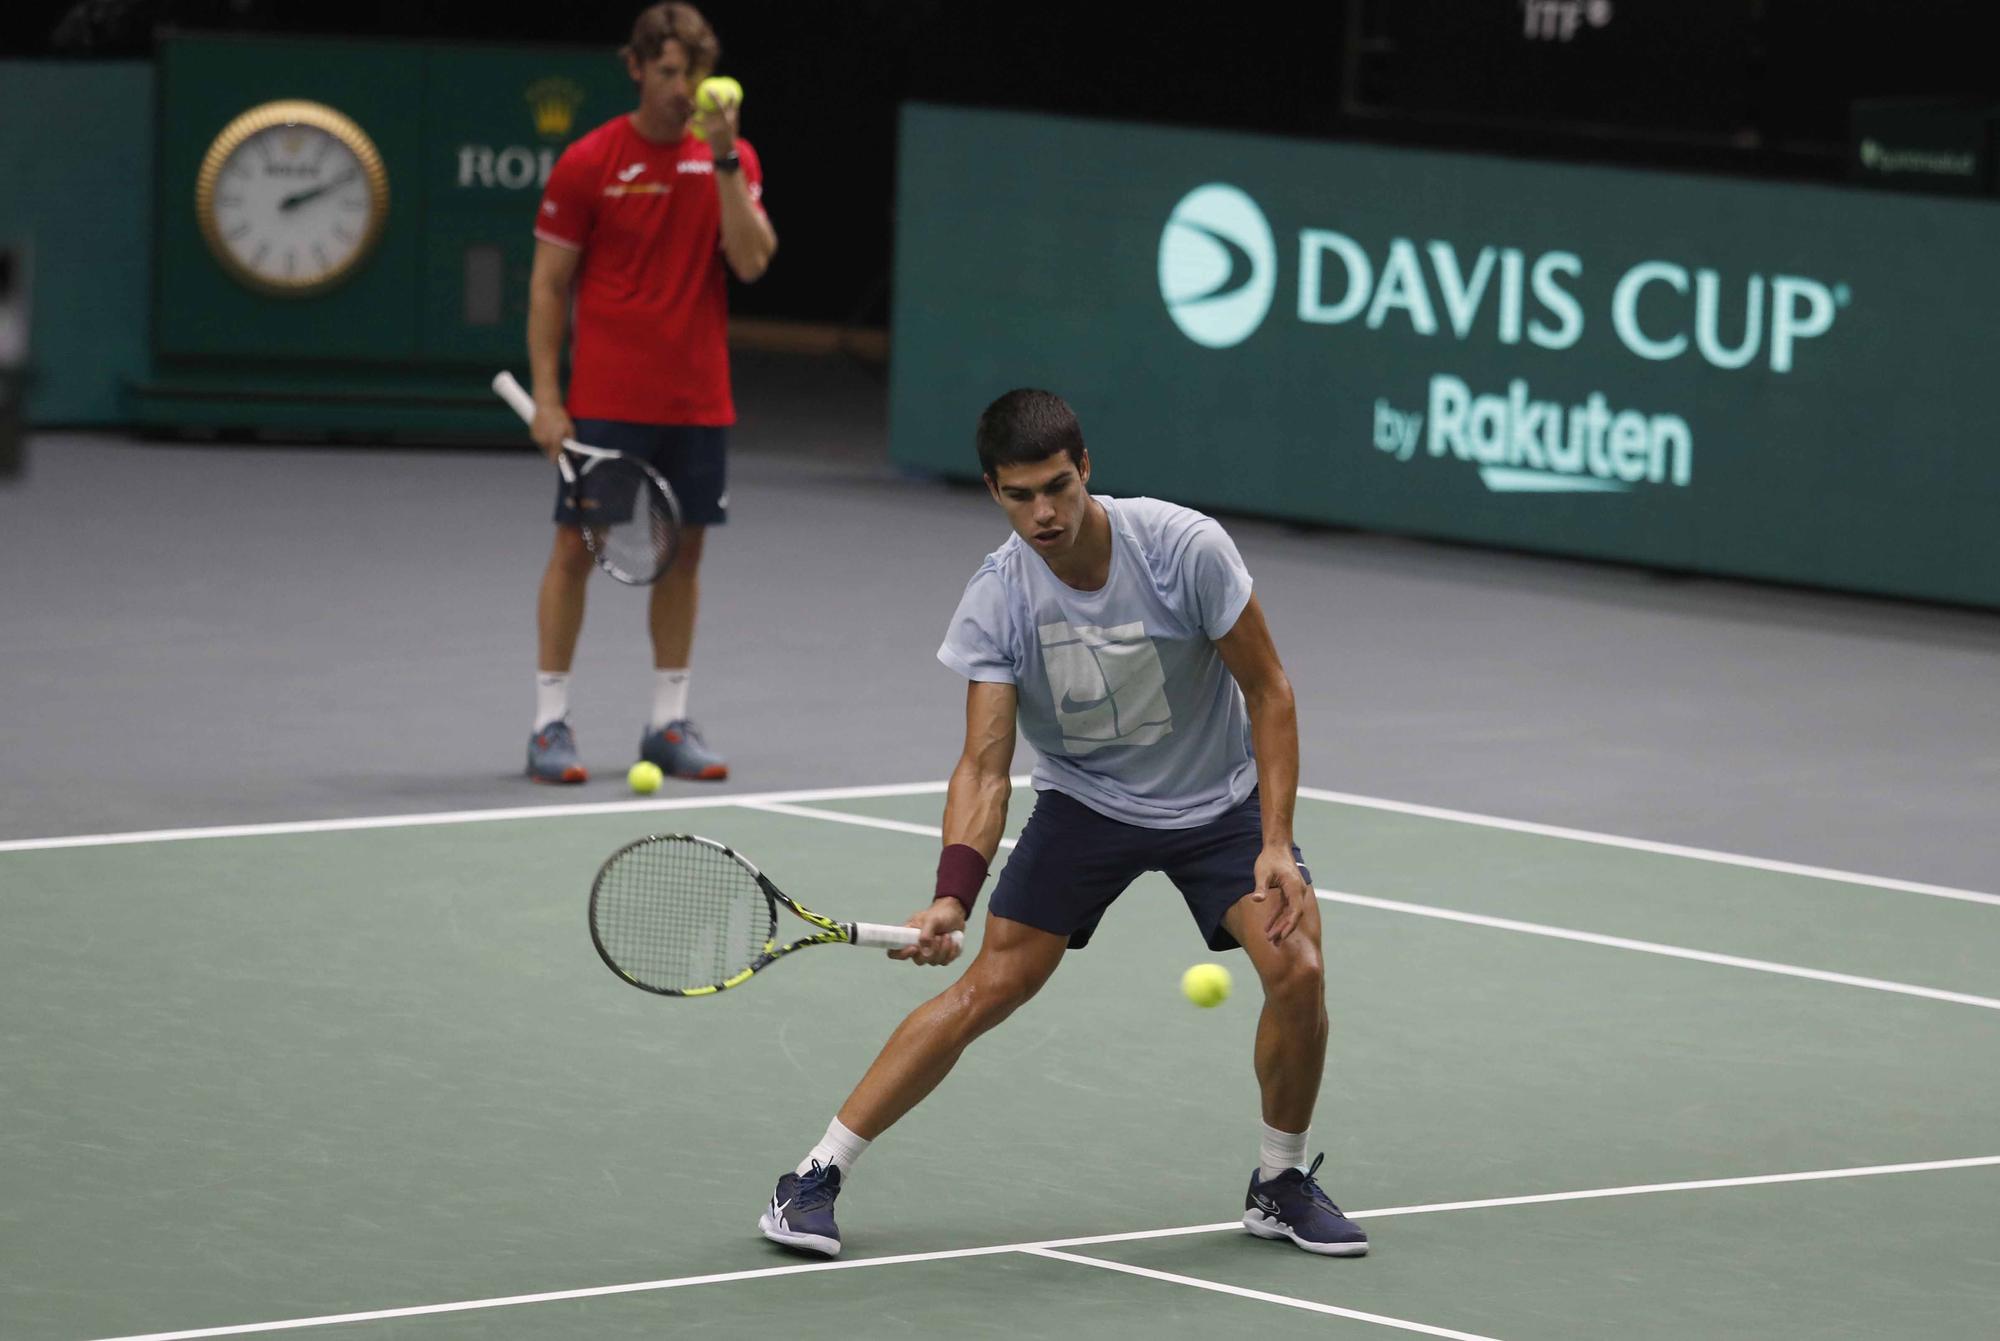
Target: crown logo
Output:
[(554, 102)]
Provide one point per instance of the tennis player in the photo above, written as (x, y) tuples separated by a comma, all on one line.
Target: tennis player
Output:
[(1123, 636), (637, 223)]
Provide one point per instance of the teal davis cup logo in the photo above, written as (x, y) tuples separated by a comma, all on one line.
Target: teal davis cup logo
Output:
[(1218, 266)]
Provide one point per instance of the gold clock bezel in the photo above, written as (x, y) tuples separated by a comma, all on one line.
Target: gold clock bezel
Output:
[(291, 112)]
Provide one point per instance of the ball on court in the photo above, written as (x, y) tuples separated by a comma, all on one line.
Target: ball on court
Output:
[(644, 778), (1206, 984)]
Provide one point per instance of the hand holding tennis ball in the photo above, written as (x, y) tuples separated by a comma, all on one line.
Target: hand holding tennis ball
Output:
[(711, 95), (1206, 984), (644, 778)]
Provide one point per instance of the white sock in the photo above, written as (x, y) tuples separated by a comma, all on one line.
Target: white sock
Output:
[(670, 696), (551, 697), (1281, 1150), (839, 1147)]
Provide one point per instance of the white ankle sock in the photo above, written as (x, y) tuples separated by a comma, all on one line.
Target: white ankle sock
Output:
[(1280, 1150), (551, 697), (838, 1147), (670, 696)]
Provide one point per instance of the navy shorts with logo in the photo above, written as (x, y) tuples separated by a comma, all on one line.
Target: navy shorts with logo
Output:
[(691, 456), (1071, 862)]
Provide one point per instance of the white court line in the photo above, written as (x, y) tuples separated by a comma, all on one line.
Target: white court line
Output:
[(1500, 923), (756, 799), (469, 816), (1698, 1185), (919, 789), (864, 821), (1259, 1295), (1655, 948), (762, 1273), (1646, 845), (841, 817)]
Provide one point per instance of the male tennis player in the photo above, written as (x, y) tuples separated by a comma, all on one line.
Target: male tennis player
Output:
[(1123, 635), (638, 220)]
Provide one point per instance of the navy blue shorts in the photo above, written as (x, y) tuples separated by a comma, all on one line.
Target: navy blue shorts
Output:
[(691, 456), (1071, 862)]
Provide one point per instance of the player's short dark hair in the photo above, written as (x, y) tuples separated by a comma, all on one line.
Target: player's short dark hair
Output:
[(1026, 426), (676, 21)]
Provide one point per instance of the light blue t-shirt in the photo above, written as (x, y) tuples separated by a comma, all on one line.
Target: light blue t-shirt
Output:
[(1122, 692)]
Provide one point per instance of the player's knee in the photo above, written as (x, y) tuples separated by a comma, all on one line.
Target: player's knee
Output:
[(570, 555), (1298, 981), (994, 990), (687, 556)]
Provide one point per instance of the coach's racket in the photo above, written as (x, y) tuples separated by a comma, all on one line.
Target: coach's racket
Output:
[(686, 916), (629, 517)]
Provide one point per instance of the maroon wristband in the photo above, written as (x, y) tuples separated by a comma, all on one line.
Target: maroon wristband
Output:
[(961, 871)]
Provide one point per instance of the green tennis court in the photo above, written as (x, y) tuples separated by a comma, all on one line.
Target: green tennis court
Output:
[(370, 1080)]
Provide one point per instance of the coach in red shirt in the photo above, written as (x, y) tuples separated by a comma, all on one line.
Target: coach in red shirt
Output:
[(636, 224)]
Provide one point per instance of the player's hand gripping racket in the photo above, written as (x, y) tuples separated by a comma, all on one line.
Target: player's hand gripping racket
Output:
[(629, 517), (686, 916)]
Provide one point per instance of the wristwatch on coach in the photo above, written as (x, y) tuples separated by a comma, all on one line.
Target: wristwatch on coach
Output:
[(729, 162)]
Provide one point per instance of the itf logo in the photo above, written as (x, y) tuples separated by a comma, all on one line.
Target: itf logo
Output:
[(1218, 266)]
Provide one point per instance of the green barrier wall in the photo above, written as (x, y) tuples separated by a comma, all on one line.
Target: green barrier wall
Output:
[(408, 343), (76, 183), (1783, 382)]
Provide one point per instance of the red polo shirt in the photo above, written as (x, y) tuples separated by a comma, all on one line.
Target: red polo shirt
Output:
[(651, 322)]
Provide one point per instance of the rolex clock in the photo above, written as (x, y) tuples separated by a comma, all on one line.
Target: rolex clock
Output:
[(291, 198)]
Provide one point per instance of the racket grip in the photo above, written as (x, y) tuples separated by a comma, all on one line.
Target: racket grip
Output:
[(515, 395), (876, 936)]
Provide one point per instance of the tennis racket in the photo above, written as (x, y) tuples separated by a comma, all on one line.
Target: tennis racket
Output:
[(630, 519), (687, 916)]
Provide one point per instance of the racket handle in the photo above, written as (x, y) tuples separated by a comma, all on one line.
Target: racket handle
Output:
[(518, 399), (515, 395), (876, 936)]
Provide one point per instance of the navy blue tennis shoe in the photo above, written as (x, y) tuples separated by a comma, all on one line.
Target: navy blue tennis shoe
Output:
[(1293, 1206), (801, 1211)]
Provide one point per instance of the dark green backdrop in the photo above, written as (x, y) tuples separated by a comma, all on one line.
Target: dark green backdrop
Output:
[(1857, 445), (392, 349), (76, 185)]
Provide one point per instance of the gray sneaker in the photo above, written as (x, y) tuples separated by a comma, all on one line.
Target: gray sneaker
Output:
[(681, 753), (552, 755)]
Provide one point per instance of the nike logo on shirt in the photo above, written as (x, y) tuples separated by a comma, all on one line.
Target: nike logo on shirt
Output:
[(1070, 704), (628, 174)]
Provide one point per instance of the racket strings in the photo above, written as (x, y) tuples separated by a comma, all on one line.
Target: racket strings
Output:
[(632, 527), (676, 914)]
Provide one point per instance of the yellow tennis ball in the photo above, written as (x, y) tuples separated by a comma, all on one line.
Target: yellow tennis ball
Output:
[(644, 778), (717, 89), (711, 91), (1206, 984)]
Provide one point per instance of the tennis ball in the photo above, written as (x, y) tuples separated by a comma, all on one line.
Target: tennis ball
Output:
[(1206, 984), (644, 778), (711, 91), (717, 89)]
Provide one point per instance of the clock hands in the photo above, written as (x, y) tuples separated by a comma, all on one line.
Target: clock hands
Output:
[(298, 198)]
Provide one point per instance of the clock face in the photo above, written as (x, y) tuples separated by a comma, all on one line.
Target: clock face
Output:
[(292, 197)]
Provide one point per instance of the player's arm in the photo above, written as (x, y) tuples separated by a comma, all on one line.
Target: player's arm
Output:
[(748, 240), (1252, 658), (548, 325), (975, 808)]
